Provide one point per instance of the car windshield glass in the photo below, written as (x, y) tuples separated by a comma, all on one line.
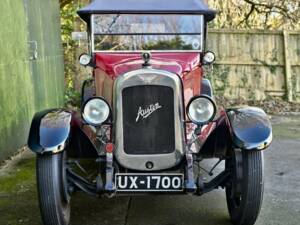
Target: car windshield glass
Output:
[(114, 32)]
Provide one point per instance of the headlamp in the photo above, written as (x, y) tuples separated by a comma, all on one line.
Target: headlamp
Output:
[(96, 111), (201, 109), (209, 57), (85, 59)]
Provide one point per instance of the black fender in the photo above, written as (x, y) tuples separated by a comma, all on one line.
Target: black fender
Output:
[(250, 128), (218, 140), (49, 131)]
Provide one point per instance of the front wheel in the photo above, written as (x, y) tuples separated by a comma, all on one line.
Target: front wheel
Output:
[(51, 182), (244, 194)]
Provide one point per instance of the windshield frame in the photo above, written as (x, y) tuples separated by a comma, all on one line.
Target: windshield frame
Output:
[(92, 38)]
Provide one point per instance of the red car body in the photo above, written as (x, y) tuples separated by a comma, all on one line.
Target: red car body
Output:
[(148, 116), (111, 65)]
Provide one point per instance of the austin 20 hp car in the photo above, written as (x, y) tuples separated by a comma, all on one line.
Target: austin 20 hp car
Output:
[(148, 117)]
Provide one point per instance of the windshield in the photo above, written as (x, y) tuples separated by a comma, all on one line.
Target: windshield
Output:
[(114, 32)]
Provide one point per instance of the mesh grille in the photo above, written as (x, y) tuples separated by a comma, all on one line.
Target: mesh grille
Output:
[(148, 120)]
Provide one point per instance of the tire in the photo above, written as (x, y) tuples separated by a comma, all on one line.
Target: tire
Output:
[(51, 182), (244, 195)]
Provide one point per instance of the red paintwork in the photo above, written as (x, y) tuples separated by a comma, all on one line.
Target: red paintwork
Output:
[(111, 65), (187, 65), (116, 64)]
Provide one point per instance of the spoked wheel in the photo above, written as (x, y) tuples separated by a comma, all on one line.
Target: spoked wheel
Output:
[(52, 189), (244, 195)]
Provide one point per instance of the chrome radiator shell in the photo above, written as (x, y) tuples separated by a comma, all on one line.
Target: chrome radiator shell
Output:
[(142, 77)]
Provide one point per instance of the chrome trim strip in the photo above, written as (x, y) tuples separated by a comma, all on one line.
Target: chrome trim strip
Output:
[(92, 34), (149, 76), (202, 34), (109, 184)]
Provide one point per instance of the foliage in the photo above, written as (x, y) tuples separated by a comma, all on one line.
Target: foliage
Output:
[(175, 43), (118, 42), (72, 97), (69, 19), (237, 14), (257, 14), (63, 3)]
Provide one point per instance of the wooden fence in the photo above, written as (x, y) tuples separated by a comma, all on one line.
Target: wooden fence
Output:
[(251, 65), (256, 64)]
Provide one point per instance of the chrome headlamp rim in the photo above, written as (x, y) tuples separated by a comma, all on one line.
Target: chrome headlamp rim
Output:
[(95, 124), (213, 104), (85, 55), (204, 61)]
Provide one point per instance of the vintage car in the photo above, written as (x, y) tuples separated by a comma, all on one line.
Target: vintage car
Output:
[(148, 116)]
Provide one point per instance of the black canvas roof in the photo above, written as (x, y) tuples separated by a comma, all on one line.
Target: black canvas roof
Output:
[(147, 7)]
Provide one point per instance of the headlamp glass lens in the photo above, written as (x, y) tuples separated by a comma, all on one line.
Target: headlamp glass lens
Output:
[(96, 111), (85, 59), (201, 110), (209, 57)]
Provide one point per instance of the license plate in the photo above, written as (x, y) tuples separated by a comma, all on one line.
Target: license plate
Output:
[(128, 182)]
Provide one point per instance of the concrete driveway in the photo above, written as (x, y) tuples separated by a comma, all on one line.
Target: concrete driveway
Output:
[(18, 202)]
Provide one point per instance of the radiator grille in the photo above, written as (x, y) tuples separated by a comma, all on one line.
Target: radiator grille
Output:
[(148, 120)]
